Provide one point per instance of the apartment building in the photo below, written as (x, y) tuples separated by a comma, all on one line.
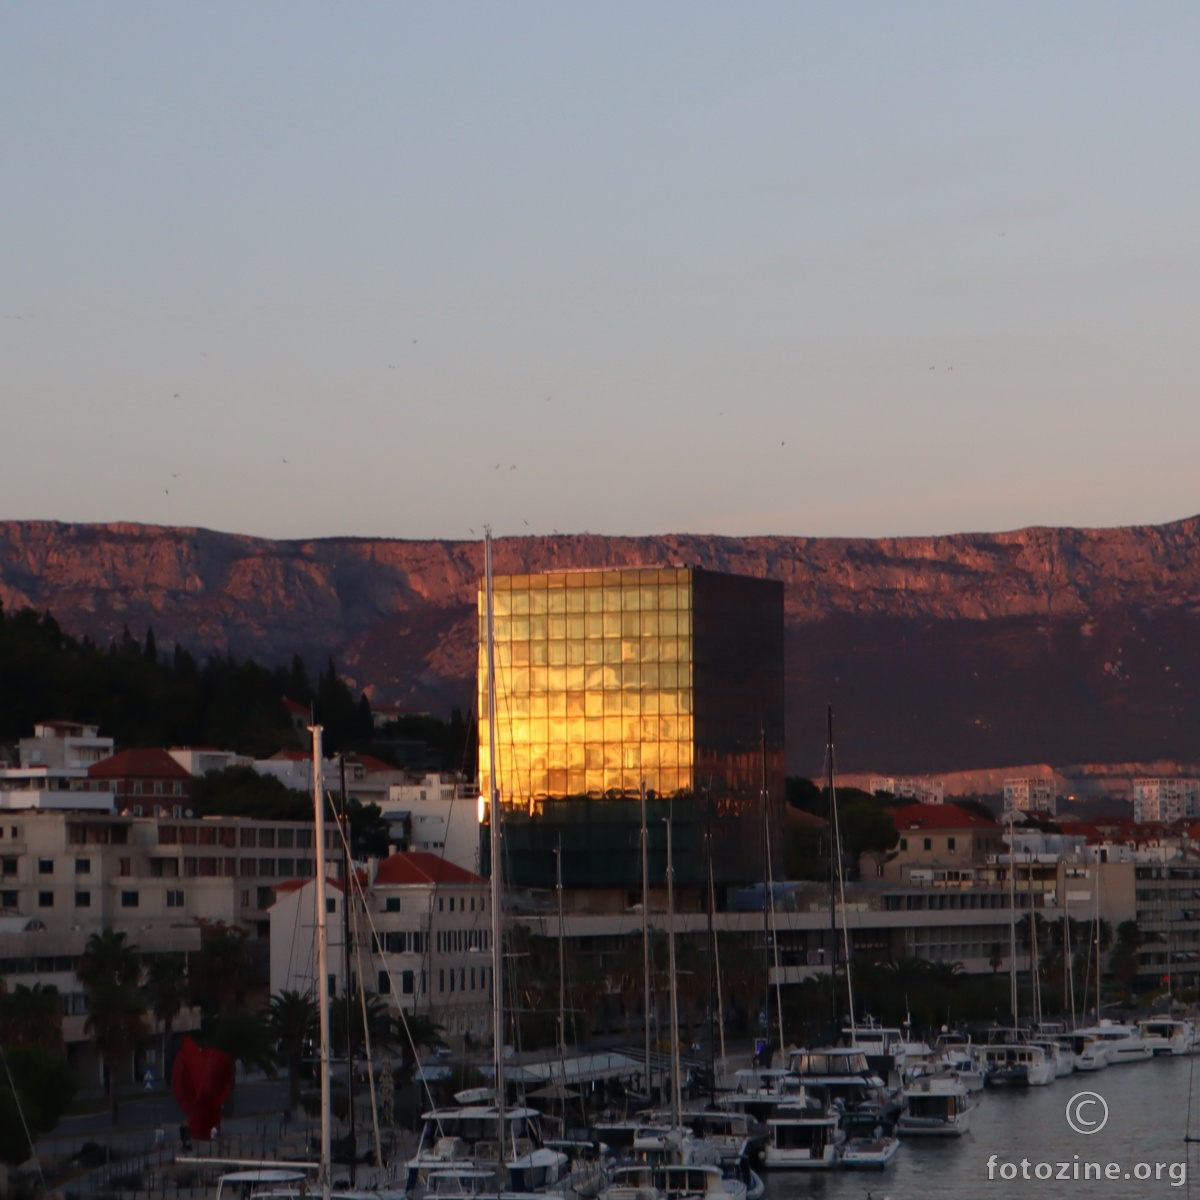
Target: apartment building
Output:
[(922, 790), (1166, 800), (436, 814), (420, 931), (52, 769), (1031, 795), (935, 837)]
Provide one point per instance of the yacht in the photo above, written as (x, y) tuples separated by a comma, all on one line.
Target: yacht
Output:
[(935, 1106), (1088, 1051), (869, 1153), (1063, 1057), (959, 1058), (1016, 1065), (470, 1136), (1123, 1043), (802, 1138), (1166, 1035), (878, 1043), (736, 1135), (760, 1090), (672, 1181)]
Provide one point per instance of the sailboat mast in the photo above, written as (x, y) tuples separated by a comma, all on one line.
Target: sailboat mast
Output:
[(348, 974), (494, 851), (676, 1088), (833, 853), (322, 956), (1012, 918), (716, 950), (771, 891), (645, 937), (1034, 972), (841, 877), (562, 966)]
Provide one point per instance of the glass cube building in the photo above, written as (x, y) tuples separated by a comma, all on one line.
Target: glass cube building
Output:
[(609, 681)]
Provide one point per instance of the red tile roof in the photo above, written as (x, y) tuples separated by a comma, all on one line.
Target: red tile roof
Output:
[(938, 816), (293, 706), (294, 885), (417, 866), (370, 763), (140, 763)]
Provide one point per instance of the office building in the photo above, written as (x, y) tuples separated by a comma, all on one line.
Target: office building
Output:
[(611, 681)]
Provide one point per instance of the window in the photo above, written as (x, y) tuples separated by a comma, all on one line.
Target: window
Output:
[(249, 868), (285, 839), (406, 983), (392, 904), (266, 866), (451, 903), (266, 838), (249, 837), (904, 843), (929, 843), (385, 983), (304, 839), (83, 899), (137, 787), (177, 788), (441, 979), (8, 899), (129, 899), (950, 844), (45, 866), (441, 904), (245, 897), (331, 904), (286, 868), (125, 866), (83, 866), (45, 899), (264, 897), (174, 899), (158, 787)]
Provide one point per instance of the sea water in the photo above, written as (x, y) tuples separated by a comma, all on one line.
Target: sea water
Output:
[(1139, 1152)]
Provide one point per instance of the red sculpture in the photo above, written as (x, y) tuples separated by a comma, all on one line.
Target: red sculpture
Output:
[(201, 1080)]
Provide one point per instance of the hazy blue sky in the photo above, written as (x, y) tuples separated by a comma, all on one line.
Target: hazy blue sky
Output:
[(300, 269)]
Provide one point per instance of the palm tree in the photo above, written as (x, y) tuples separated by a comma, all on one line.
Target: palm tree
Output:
[(417, 1031), (109, 959), (167, 988), (116, 1022), (246, 1037), (221, 972), (109, 970), (293, 1016)]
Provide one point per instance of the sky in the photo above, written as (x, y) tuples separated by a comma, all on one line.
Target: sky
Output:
[(405, 270)]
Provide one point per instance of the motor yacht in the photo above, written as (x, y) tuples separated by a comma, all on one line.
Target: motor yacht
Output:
[(1017, 1065), (935, 1106), (802, 1138), (1166, 1035)]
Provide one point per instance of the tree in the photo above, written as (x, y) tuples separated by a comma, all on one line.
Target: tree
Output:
[(42, 1087), (167, 990), (245, 1036), (417, 1032), (348, 1012), (109, 960), (221, 971), (293, 1019), (116, 1022), (1123, 962), (31, 1016)]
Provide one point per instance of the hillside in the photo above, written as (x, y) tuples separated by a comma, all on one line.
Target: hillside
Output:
[(944, 653)]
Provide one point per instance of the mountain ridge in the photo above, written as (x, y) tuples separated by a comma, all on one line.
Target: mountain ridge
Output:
[(940, 652)]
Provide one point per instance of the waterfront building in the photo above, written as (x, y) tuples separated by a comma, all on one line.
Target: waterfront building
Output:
[(611, 681)]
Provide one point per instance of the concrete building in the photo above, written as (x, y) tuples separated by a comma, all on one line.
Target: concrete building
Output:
[(437, 814), (935, 837), (611, 680), (1166, 800), (1031, 795), (53, 769), (421, 931), (200, 760)]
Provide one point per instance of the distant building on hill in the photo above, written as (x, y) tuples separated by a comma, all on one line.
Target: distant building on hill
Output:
[(922, 790), (1166, 800), (1031, 795)]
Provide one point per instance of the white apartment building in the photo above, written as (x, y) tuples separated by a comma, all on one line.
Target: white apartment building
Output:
[(1166, 800), (200, 760), (53, 769), (437, 814), (922, 790), (422, 936), (1031, 795)]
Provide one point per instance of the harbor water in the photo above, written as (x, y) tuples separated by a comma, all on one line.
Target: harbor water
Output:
[(1148, 1115)]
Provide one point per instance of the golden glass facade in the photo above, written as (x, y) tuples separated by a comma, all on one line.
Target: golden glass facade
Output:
[(593, 685), (610, 679)]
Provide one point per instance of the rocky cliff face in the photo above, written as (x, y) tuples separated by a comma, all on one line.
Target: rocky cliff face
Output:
[(1067, 645)]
